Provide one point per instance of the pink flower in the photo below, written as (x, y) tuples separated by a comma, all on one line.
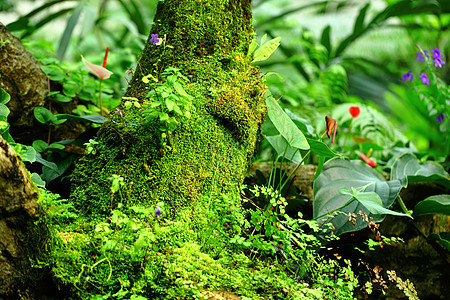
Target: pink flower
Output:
[(100, 71)]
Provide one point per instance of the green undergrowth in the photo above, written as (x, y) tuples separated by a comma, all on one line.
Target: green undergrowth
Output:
[(130, 253)]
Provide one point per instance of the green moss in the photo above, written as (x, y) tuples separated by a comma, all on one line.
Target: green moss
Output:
[(211, 150)]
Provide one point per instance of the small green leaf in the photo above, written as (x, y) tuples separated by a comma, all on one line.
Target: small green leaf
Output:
[(252, 47), (37, 180), (62, 98), (42, 114), (4, 96), (266, 49), (29, 154), (54, 72), (163, 116), (169, 104), (71, 89), (438, 204), (279, 143), (128, 104), (4, 110), (40, 145)]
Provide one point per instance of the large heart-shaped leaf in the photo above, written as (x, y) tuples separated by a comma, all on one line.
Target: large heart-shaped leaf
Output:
[(285, 125), (279, 143), (438, 204), (338, 173), (407, 166)]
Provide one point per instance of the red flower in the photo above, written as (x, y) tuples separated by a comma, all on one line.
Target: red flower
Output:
[(354, 111), (105, 58), (368, 160)]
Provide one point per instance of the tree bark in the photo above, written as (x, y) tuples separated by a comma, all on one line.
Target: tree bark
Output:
[(22, 78), (210, 152), (20, 236)]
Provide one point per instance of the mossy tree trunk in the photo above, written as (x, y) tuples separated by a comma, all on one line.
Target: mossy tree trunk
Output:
[(210, 151)]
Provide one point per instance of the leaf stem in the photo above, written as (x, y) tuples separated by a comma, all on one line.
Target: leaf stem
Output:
[(100, 97)]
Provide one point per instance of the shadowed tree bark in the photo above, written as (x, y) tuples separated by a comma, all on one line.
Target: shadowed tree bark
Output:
[(18, 212), (208, 153), (22, 78)]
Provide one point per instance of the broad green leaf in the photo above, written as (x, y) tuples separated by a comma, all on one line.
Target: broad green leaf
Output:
[(438, 204), (279, 143), (339, 173), (374, 204), (285, 125), (4, 96), (407, 166), (42, 114), (49, 172), (443, 237), (266, 49), (46, 163), (321, 148)]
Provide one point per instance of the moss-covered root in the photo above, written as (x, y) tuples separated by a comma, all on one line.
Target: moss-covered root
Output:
[(210, 151)]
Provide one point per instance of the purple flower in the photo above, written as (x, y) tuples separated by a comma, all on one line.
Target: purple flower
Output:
[(440, 118), (436, 53), (408, 76), (437, 57), (157, 211), (419, 55), (154, 39), (438, 62), (424, 78)]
